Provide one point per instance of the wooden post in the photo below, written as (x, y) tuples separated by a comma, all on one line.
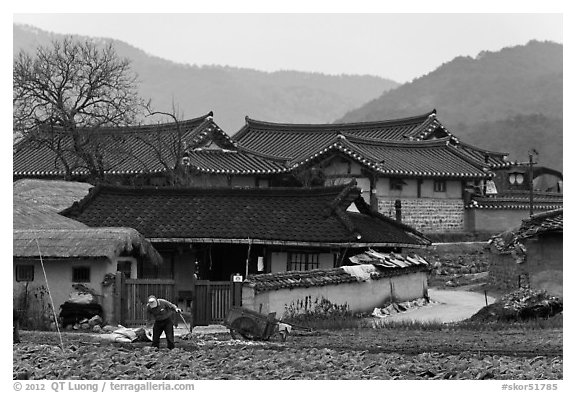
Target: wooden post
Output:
[(531, 184), (118, 295), (398, 207), (236, 290)]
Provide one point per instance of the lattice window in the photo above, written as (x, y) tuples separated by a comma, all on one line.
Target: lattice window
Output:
[(439, 185), (81, 274), (303, 261), (24, 272)]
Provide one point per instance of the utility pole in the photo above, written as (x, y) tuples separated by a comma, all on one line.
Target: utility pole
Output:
[(531, 185)]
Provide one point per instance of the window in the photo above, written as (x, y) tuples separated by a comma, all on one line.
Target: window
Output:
[(397, 184), (302, 261), (24, 272), (81, 274), (125, 267), (439, 185)]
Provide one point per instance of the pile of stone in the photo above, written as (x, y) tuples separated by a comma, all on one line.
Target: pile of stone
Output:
[(522, 304), (95, 324), (395, 308), (459, 266)]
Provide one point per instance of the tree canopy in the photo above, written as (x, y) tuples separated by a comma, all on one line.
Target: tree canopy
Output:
[(65, 92)]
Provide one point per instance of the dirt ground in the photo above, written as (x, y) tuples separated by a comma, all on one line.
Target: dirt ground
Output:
[(381, 353), (346, 354)]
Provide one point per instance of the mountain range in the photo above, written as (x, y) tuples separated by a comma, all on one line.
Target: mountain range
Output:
[(232, 93), (507, 101)]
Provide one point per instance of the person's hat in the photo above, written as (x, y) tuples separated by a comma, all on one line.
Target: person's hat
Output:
[(151, 299)]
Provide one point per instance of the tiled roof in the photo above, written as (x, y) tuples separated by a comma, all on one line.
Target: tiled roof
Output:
[(365, 268), (298, 279), (297, 140), (235, 215), (392, 147), (232, 162), (550, 221), (518, 200), (128, 150), (541, 223), (434, 158), (389, 260), (495, 160)]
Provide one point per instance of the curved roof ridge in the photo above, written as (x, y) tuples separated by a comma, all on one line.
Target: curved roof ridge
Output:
[(469, 146), (338, 142), (147, 127), (396, 142), (335, 126)]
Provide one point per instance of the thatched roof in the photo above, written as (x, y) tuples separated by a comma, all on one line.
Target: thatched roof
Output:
[(55, 195), (27, 216), (36, 203), (78, 243)]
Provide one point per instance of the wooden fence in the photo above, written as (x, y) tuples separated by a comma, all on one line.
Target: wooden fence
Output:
[(135, 295), (213, 300)]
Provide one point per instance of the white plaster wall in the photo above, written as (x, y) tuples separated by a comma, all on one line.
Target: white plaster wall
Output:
[(360, 296), (243, 181), (453, 190), (326, 261), (278, 262), (410, 189), (59, 274)]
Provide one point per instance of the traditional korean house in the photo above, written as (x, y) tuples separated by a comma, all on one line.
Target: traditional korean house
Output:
[(194, 152), (412, 168), (213, 233)]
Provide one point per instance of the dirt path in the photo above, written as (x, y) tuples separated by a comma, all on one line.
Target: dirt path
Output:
[(450, 306)]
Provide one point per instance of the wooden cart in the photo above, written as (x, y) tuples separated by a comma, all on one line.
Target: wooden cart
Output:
[(252, 325)]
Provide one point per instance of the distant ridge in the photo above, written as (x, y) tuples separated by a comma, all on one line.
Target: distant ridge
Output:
[(510, 100), (232, 93)]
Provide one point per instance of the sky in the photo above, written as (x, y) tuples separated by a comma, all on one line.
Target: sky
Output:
[(398, 46)]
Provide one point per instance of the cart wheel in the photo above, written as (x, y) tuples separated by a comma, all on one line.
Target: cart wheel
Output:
[(246, 327)]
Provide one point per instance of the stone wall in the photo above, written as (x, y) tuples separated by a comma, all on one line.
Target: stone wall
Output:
[(456, 264), (505, 274), (428, 215)]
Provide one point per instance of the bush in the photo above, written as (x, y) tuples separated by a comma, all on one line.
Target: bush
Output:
[(320, 314)]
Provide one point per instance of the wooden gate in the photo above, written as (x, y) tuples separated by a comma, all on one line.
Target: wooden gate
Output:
[(212, 301), (135, 296)]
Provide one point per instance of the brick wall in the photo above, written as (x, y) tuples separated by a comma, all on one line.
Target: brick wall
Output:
[(428, 215)]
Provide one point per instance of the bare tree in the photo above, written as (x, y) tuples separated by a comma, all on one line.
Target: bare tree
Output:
[(65, 93), (167, 146)]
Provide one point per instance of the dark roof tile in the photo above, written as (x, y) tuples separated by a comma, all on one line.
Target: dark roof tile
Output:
[(235, 214)]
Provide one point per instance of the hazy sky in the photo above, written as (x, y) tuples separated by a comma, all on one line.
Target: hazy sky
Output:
[(396, 46)]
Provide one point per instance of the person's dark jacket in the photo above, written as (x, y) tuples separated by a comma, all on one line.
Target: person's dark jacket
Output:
[(162, 311)]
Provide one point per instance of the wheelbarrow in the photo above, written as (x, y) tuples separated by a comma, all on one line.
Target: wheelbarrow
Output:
[(253, 325)]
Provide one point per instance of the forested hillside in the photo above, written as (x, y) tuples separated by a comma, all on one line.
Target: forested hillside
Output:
[(509, 100)]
